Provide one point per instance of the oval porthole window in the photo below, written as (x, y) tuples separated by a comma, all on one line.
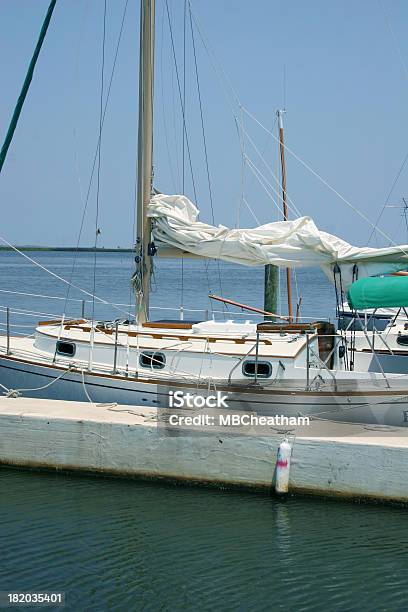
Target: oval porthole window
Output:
[(402, 339), (263, 369), (152, 359), (66, 348)]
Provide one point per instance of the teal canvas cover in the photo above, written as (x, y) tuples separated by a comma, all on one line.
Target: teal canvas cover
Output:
[(379, 292)]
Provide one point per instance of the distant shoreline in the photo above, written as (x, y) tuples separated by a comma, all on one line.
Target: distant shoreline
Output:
[(68, 249)]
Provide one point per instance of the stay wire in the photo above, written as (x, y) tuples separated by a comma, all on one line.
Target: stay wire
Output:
[(292, 205), (326, 184), (184, 89), (181, 100), (69, 282), (98, 177), (61, 278), (203, 135), (183, 134), (394, 39), (387, 199), (170, 157)]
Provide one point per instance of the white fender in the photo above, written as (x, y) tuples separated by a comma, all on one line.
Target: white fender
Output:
[(283, 467)]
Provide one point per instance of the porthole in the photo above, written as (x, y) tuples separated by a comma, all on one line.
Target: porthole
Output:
[(152, 360), (402, 339), (263, 369), (66, 348)]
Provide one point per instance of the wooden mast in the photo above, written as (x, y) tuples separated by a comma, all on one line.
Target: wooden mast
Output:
[(285, 205), (145, 156)]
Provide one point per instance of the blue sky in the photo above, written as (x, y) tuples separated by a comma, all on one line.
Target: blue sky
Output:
[(346, 102)]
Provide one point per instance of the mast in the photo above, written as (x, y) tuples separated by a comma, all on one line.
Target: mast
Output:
[(285, 205), (145, 157)]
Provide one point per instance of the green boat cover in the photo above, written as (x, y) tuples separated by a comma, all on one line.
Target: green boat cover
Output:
[(379, 292)]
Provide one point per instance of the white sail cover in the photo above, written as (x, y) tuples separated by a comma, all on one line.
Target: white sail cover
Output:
[(297, 243)]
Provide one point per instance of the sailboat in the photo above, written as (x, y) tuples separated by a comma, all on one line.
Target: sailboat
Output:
[(270, 368)]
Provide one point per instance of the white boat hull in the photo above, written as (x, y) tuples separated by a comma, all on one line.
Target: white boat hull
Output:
[(361, 402)]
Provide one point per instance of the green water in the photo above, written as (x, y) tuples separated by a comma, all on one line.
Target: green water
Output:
[(127, 545)]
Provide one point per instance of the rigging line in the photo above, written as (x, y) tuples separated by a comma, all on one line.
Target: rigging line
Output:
[(322, 180), (388, 196), (98, 175), (263, 181), (132, 296), (183, 149), (245, 201), (172, 172), (258, 174), (184, 83), (204, 137), (243, 174), (61, 278), (182, 284), (266, 144), (174, 128), (202, 121), (220, 72), (405, 216), (181, 100), (397, 47), (206, 267), (76, 98), (295, 209), (96, 154)]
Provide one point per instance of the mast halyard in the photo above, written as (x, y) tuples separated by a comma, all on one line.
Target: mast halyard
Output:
[(141, 277), (285, 204)]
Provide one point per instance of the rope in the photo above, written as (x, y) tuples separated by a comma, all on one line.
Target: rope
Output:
[(84, 387), (40, 295), (19, 392)]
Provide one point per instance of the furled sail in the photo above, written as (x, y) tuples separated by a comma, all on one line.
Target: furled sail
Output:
[(297, 243)]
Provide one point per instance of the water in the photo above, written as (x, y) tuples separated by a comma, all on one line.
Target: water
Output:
[(173, 285), (126, 545)]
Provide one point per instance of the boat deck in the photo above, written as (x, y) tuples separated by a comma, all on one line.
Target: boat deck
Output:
[(271, 344)]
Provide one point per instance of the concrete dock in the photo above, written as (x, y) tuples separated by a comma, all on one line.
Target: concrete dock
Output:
[(348, 461)]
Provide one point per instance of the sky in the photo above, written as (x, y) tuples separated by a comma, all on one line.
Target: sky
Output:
[(339, 68)]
